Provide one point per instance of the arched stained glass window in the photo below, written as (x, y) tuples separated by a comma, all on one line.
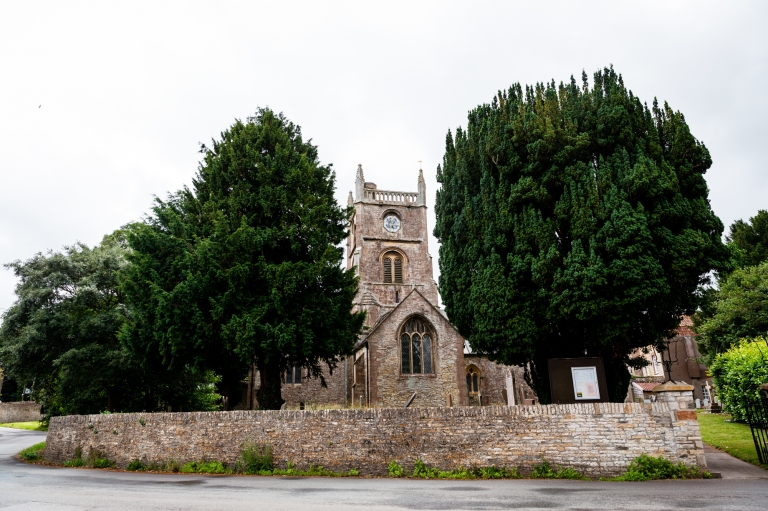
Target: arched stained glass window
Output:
[(416, 347)]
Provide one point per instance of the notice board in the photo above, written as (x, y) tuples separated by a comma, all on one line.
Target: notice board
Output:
[(577, 380)]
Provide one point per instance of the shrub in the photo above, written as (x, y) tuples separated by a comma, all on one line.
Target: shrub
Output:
[(33, 453), (136, 465), (395, 470), (545, 471), (212, 467), (254, 459), (99, 462), (204, 467), (739, 372), (645, 468)]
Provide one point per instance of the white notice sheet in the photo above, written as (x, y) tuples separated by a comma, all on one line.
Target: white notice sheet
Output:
[(585, 383)]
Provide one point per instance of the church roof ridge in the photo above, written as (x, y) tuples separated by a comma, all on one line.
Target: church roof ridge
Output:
[(386, 315)]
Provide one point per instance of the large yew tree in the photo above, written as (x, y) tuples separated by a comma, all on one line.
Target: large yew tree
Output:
[(245, 267), (572, 221)]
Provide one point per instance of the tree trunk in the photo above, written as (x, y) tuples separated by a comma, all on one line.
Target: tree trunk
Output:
[(269, 394), (617, 377), (249, 392), (537, 377)]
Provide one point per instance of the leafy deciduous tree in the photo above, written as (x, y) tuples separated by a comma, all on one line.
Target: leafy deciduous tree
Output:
[(573, 220), (738, 310), (60, 337)]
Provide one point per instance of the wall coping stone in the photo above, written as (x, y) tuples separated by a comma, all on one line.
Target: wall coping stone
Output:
[(673, 386)]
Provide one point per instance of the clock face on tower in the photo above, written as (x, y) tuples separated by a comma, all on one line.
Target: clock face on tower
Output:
[(392, 223)]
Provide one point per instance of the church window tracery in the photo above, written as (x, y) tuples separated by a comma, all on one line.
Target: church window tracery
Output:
[(416, 347)]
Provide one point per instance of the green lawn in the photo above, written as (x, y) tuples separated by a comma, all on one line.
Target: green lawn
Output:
[(732, 437), (34, 426)]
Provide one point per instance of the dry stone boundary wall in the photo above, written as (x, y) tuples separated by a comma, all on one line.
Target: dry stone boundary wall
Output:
[(597, 439), (19, 411)]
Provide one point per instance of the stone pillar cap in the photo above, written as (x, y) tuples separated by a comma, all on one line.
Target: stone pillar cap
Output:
[(672, 386)]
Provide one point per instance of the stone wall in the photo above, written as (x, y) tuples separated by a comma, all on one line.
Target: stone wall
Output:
[(596, 439), (312, 393), (21, 411)]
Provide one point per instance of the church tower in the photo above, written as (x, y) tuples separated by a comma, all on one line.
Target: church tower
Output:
[(409, 353), (388, 245)]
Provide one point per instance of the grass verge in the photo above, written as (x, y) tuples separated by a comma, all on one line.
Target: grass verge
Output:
[(735, 438), (34, 453), (32, 426)]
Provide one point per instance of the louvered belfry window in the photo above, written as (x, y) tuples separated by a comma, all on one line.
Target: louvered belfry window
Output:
[(393, 268), (416, 347), (398, 270)]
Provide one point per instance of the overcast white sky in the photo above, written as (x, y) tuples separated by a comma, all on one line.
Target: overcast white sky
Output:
[(103, 104)]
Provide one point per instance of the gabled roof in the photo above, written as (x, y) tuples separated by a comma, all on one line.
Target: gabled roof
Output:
[(383, 318)]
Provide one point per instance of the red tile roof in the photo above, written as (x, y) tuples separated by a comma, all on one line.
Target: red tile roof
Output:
[(647, 386), (685, 327)]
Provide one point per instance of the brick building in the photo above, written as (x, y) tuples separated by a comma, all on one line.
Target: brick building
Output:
[(408, 350), (686, 366)]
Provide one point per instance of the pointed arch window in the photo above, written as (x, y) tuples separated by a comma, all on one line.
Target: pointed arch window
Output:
[(416, 347), (473, 380), (393, 268)]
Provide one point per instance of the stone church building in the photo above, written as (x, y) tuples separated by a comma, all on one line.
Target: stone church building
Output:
[(409, 351)]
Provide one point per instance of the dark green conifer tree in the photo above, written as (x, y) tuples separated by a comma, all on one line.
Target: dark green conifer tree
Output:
[(245, 266), (573, 220)]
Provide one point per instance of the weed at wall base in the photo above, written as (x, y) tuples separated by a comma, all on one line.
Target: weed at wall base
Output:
[(136, 465), (422, 471), (647, 468), (254, 458), (205, 467), (545, 471), (395, 470)]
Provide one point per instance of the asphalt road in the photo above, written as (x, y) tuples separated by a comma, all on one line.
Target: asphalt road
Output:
[(29, 487)]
